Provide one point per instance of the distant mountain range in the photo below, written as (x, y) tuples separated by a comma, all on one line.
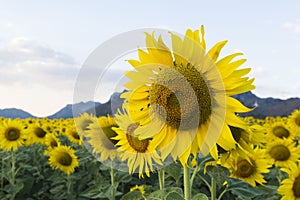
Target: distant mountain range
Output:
[(264, 107)]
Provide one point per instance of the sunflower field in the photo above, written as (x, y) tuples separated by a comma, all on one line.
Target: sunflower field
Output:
[(179, 135)]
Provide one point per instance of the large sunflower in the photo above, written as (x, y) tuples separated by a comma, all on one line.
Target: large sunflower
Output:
[(283, 152), (249, 169), (37, 133), (63, 158), (12, 134), (290, 187), (182, 97), (138, 152), (100, 136)]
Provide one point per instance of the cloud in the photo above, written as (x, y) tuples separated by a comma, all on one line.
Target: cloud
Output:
[(27, 62), (293, 26)]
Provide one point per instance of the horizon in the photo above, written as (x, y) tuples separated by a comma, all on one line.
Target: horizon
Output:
[(64, 106), (41, 53)]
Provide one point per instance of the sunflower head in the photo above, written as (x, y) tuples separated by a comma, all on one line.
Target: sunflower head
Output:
[(177, 93), (280, 152), (63, 158), (296, 187), (244, 168), (12, 134)]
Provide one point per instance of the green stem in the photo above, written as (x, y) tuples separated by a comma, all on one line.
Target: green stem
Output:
[(112, 178), (69, 183), (221, 195), (2, 172), (161, 178), (13, 173), (194, 174), (213, 188), (187, 182)]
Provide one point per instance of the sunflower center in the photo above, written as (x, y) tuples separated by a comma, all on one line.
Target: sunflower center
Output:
[(140, 146), (64, 159), (75, 135), (177, 93), (296, 187), (109, 133), (281, 132), (53, 144), (297, 120), (12, 134), (244, 169), (280, 152), (39, 132)]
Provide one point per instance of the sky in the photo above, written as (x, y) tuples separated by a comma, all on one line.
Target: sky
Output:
[(43, 44)]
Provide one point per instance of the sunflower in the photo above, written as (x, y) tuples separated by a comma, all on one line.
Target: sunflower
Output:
[(83, 121), (245, 138), (279, 129), (182, 97), (51, 142), (294, 121), (73, 135), (138, 152), (283, 152), (36, 133), (290, 187), (249, 169), (99, 135), (63, 158), (139, 188), (12, 134)]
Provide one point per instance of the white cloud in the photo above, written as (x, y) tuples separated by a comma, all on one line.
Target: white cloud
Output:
[(293, 26), (35, 77), (27, 62)]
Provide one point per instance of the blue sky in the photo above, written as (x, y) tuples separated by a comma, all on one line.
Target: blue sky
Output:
[(43, 44)]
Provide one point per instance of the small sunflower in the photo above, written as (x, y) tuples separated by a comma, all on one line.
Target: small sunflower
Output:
[(73, 135), (63, 158), (83, 121), (290, 187), (294, 121), (279, 129), (182, 97), (37, 134), (139, 153), (282, 152), (12, 134), (139, 188), (250, 169), (100, 136), (51, 142)]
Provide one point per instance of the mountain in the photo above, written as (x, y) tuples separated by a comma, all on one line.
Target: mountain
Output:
[(108, 108), (263, 107), (15, 113), (268, 106), (73, 110)]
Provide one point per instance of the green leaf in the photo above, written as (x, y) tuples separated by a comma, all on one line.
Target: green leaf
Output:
[(174, 170), (244, 193), (174, 196), (137, 195), (157, 195), (123, 177), (173, 189), (200, 196), (219, 173)]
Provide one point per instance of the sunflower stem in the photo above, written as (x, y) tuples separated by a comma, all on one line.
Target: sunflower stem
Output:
[(13, 173), (213, 188), (161, 178), (112, 178), (187, 182)]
